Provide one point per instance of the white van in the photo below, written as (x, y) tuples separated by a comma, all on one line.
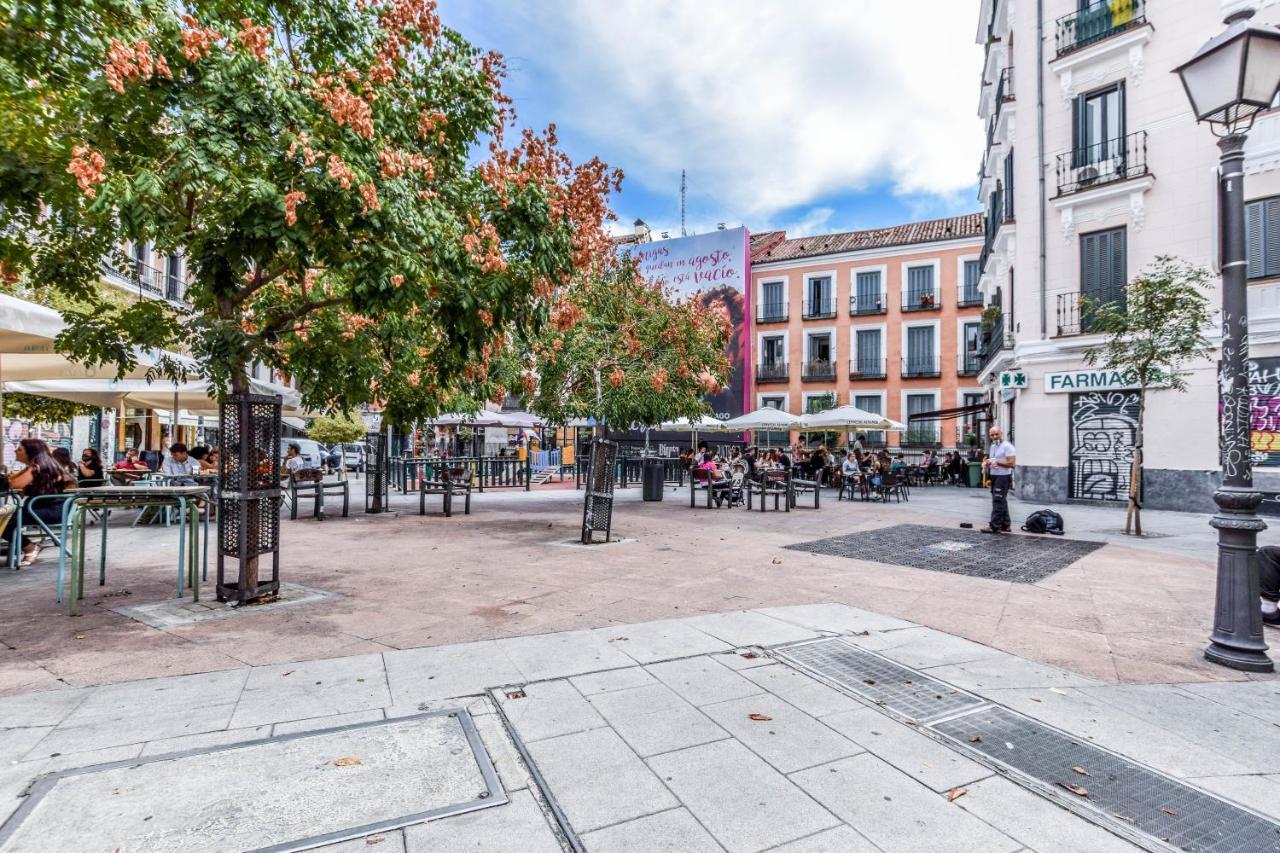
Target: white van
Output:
[(353, 455), (312, 451)]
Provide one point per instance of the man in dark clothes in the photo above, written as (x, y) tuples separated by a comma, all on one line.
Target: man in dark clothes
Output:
[(1269, 581)]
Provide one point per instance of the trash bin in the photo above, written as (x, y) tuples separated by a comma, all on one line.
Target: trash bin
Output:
[(975, 475), (651, 479)]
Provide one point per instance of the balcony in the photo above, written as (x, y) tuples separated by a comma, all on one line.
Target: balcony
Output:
[(1102, 163), (921, 367), (968, 297), (151, 282), (921, 300), (818, 371), (1004, 89), (867, 368), (1097, 22), (819, 309), (1071, 316), (921, 436), (772, 312), (774, 371), (863, 304), (969, 363), (996, 339)]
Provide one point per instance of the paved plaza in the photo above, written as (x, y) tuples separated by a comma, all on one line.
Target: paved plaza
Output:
[(712, 681)]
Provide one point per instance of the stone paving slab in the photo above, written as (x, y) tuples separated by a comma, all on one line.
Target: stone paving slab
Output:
[(174, 612), (810, 696), (518, 825), (842, 839), (649, 642), (922, 758), (1036, 822), (702, 681), (311, 785), (549, 709), (789, 739), (744, 803), (614, 679), (839, 618), (747, 628), (653, 719), (317, 688), (545, 656), (673, 831), (441, 672)]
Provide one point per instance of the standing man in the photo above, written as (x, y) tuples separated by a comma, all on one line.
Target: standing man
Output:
[(999, 465)]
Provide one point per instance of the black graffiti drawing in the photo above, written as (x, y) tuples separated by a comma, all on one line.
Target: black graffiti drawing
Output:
[(1104, 432)]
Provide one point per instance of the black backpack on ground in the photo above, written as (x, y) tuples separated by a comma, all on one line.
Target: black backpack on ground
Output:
[(1044, 521)]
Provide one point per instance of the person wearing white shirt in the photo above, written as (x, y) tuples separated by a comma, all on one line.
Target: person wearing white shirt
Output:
[(1000, 462), (180, 464)]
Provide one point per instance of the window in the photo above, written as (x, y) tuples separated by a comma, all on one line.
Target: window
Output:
[(871, 403), (820, 349), (1098, 126), (173, 278), (819, 294), (867, 352), (867, 298), (819, 403), (774, 300), (773, 353), (779, 403), (1262, 227), (971, 424), (920, 351), (972, 272), (919, 282), (1103, 271), (1008, 187), (920, 432), (971, 357)]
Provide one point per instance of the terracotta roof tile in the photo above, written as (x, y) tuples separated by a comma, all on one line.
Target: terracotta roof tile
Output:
[(929, 231)]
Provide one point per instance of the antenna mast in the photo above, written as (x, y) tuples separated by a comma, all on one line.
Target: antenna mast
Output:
[(683, 193)]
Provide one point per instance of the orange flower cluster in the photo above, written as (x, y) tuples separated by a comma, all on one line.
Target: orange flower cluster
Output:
[(414, 378), (428, 124), (309, 154), (708, 382), (396, 163), (88, 168), (617, 377), (345, 107), (255, 38), (340, 172), (397, 280), (369, 196), (291, 201), (126, 64), (197, 41), (529, 382), (484, 247), (566, 315), (658, 379), (398, 17), (355, 323), (486, 317)]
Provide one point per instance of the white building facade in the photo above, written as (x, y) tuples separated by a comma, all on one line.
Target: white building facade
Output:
[(1093, 168)]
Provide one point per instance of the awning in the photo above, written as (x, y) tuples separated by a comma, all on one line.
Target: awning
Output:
[(950, 414)]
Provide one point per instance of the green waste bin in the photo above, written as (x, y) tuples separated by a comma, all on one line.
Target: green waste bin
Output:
[(975, 475)]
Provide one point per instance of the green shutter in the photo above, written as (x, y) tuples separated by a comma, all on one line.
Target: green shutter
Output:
[(1271, 238), (1254, 225), (1117, 267)]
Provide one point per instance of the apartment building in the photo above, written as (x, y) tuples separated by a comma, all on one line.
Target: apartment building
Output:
[(887, 319), (1094, 166)]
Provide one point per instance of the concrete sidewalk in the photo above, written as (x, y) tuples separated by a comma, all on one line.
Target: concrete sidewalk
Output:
[(688, 734)]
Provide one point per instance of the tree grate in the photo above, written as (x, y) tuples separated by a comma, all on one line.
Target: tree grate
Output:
[(904, 691)]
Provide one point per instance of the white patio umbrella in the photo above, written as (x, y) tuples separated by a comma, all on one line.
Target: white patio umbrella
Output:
[(849, 418), (479, 419), (517, 420), (767, 418), (198, 396), (702, 423)]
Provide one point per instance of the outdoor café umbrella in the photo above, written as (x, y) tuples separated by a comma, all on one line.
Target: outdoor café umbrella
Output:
[(197, 396), (767, 418), (517, 420), (849, 418)]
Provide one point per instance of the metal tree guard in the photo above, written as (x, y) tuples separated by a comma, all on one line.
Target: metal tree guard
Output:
[(376, 476), (249, 494), (597, 507)]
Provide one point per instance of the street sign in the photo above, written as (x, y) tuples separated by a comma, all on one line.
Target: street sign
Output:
[(1104, 379), (1013, 379)]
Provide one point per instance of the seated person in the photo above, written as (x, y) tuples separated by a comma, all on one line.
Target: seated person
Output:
[(180, 465), (41, 476), (130, 469), (848, 468), (1269, 583), (89, 469), (899, 463), (294, 464)]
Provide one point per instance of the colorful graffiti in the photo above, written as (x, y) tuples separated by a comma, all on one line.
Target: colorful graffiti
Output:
[(1264, 411)]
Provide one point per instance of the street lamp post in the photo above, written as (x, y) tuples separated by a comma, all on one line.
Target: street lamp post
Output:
[(1230, 79)]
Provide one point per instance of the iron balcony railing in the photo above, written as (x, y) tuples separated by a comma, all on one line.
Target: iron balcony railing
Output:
[(820, 309), (867, 368), (150, 281), (917, 366), (921, 300), (1004, 89), (1102, 163), (921, 436), (1073, 317), (969, 363), (1097, 21), (967, 296), (861, 304), (772, 371), (772, 312), (818, 371), (996, 339)]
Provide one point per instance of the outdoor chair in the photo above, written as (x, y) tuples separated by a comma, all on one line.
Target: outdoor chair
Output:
[(893, 485), (701, 480), (775, 483), (453, 481), (315, 491), (799, 487)]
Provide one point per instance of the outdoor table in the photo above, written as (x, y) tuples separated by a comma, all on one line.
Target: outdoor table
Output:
[(78, 501)]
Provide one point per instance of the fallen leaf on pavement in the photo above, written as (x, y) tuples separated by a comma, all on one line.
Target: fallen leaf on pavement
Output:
[(760, 717), (1081, 771), (750, 655), (976, 739), (777, 562), (378, 839), (345, 761), (1034, 699), (1169, 810), (290, 672), (79, 636), (1078, 790), (868, 681), (955, 794), (863, 634)]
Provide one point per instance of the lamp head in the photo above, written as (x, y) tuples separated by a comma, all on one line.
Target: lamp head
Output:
[(1234, 75)]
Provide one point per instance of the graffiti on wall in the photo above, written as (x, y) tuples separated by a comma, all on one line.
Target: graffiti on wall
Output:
[(1264, 410), (1104, 430)]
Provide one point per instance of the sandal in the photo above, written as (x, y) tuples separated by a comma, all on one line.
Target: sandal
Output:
[(30, 556)]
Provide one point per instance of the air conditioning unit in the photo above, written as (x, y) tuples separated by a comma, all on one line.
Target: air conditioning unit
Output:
[(1088, 176)]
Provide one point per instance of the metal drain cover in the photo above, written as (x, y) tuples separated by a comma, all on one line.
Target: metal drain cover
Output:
[(904, 691), (1121, 790)]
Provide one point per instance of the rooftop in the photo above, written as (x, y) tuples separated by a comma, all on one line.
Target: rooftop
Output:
[(930, 231)]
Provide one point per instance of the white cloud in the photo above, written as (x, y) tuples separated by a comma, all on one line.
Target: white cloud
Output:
[(769, 105)]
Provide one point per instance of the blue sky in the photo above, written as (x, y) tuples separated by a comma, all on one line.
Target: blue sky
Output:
[(809, 115)]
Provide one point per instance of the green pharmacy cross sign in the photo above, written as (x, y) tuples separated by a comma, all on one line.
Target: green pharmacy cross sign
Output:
[(1013, 379)]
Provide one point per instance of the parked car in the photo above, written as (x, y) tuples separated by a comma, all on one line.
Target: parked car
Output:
[(312, 451), (354, 455)]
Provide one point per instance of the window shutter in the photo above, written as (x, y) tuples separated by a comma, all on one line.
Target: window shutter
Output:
[(1117, 267), (1078, 131), (1254, 222), (1271, 238), (1090, 277)]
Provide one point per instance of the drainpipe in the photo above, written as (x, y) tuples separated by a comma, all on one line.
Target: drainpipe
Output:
[(1044, 293)]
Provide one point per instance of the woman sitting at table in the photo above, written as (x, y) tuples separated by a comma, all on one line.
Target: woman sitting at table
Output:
[(89, 469), (42, 476), (62, 457), (130, 469)]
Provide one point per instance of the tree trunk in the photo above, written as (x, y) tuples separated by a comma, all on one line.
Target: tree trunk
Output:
[(1133, 516)]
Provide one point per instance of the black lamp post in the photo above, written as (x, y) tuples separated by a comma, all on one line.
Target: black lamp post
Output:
[(1233, 77)]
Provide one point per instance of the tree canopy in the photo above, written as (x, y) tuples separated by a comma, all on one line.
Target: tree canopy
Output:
[(343, 179), (337, 428)]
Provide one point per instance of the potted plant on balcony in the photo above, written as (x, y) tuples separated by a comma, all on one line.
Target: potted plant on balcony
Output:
[(990, 316)]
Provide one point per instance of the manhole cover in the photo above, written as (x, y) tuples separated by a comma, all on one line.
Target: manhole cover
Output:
[(287, 793)]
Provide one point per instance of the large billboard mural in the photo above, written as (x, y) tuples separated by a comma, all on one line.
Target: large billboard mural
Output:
[(716, 267)]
